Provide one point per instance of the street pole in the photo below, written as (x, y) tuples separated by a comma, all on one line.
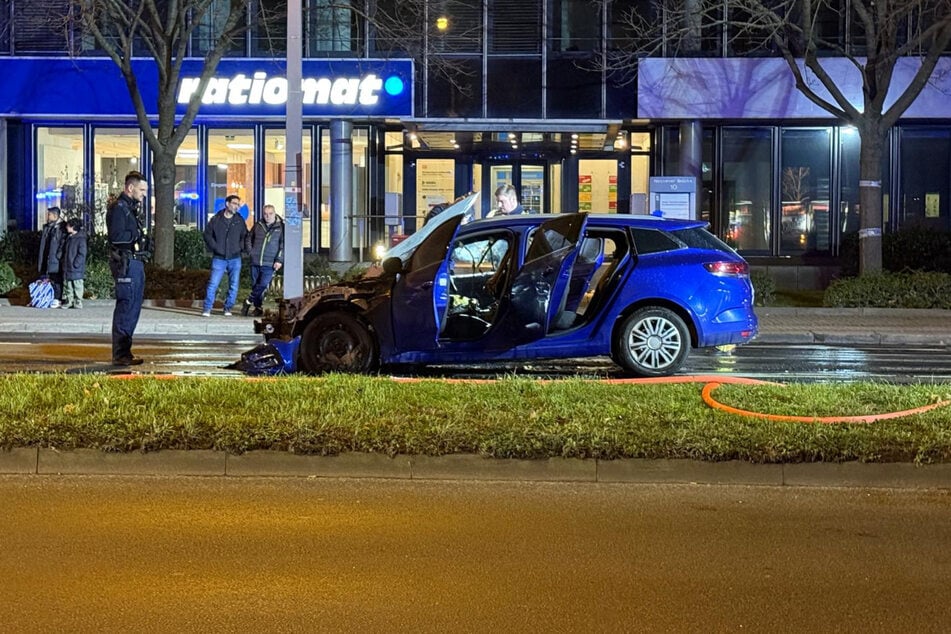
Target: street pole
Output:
[(293, 225)]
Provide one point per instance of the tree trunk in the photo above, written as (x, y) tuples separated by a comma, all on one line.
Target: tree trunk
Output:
[(870, 198), (163, 174)]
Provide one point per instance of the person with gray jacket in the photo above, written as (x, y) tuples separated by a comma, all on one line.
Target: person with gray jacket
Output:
[(265, 243)]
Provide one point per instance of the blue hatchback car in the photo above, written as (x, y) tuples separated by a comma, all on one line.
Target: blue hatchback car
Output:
[(639, 289)]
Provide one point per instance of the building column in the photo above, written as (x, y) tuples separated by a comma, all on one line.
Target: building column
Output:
[(341, 191), (691, 157), (4, 214)]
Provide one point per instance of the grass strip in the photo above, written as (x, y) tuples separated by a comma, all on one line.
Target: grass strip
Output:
[(512, 418)]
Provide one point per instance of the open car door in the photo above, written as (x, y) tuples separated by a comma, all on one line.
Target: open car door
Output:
[(538, 290), (421, 294)]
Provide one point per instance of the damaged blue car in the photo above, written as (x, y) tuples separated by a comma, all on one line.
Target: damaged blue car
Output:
[(639, 289)]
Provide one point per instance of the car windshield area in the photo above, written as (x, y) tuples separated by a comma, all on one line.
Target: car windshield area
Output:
[(479, 267), (462, 209)]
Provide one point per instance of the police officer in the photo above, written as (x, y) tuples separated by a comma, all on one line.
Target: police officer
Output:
[(127, 262)]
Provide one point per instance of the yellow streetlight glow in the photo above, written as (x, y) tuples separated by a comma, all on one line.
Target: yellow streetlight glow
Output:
[(442, 23)]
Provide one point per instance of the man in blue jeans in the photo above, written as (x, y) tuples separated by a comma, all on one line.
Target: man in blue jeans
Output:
[(225, 236), (266, 245)]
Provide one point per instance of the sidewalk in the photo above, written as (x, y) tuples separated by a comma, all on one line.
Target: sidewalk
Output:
[(843, 326)]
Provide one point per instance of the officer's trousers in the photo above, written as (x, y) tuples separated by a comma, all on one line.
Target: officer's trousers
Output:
[(130, 290)]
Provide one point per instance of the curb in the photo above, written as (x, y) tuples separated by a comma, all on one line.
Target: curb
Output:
[(210, 463)]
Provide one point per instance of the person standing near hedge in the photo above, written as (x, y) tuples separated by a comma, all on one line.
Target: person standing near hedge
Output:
[(225, 236), (130, 248), (51, 252), (74, 264), (265, 243)]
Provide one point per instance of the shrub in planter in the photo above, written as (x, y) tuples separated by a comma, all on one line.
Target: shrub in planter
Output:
[(190, 250), (909, 249), (8, 279), (178, 284), (764, 287), (20, 247), (98, 283), (914, 289)]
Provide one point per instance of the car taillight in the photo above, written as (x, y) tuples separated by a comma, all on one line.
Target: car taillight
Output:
[(728, 269)]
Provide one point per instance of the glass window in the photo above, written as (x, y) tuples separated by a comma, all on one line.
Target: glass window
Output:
[(390, 23), (456, 26), (515, 27), (849, 205), (274, 173), (555, 172), (640, 143), (269, 31), (360, 193), (805, 171), (455, 87), (38, 28), (653, 241), (575, 25), (393, 184), (514, 87), (746, 189), (59, 170), (115, 154), (5, 22), (925, 181), (533, 189), (205, 36), (332, 27), (573, 91), (187, 196), (597, 185), (435, 184), (230, 169)]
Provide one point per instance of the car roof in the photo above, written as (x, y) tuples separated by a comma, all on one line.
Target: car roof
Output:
[(596, 219)]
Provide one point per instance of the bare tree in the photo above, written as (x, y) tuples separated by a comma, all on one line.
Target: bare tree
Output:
[(795, 30), (163, 29), (794, 183)]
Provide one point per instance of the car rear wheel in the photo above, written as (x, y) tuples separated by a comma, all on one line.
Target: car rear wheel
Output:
[(337, 342), (652, 342)]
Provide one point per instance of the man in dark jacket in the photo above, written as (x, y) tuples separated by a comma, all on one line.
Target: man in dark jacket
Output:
[(265, 243), (130, 249), (52, 241), (225, 236)]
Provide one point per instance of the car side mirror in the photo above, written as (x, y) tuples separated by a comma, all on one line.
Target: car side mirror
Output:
[(392, 266)]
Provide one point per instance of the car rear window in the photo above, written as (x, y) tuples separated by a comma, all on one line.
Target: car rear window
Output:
[(653, 241), (700, 238)]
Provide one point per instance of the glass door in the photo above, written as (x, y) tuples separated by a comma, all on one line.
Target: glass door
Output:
[(527, 179)]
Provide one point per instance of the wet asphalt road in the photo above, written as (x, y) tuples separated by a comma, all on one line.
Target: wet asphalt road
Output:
[(158, 554), (777, 362)]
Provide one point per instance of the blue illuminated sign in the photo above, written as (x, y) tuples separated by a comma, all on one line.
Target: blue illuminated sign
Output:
[(365, 88)]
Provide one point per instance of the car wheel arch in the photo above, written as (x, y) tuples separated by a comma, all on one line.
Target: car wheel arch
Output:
[(346, 343), (354, 308), (657, 302)]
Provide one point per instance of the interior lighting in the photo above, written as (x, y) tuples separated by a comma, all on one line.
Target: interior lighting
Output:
[(240, 146)]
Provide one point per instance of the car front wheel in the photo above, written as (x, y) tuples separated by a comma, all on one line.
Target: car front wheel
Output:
[(652, 342), (337, 342)]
